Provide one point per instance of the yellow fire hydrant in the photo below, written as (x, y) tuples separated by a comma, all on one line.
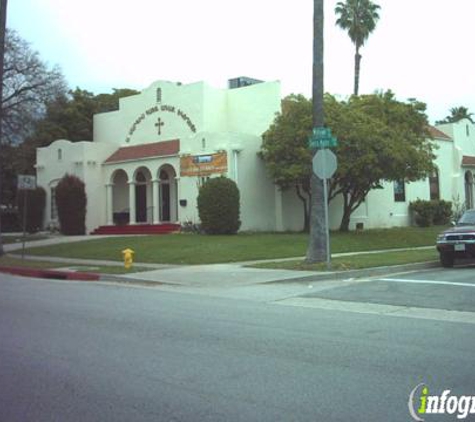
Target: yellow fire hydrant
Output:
[(128, 258)]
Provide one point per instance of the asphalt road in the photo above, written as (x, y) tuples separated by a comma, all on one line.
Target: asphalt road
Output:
[(449, 289), (93, 352)]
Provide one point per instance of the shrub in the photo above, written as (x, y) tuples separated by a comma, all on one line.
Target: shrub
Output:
[(71, 203), (10, 221), (35, 208), (442, 212), (427, 213), (218, 206), (423, 212)]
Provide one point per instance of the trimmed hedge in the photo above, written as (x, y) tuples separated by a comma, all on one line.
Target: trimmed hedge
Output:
[(71, 202), (427, 213), (35, 208), (218, 206)]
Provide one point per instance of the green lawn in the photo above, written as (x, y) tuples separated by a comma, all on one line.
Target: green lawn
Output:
[(8, 261), (201, 249), (358, 262)]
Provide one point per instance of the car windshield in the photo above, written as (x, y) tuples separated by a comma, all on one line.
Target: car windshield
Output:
[(468, 219)]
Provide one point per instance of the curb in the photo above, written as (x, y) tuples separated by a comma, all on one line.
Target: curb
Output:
[(51, 274), (322, 276), (366, 272)]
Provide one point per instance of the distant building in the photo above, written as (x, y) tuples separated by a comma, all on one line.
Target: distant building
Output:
[(148, 159), (242, 81)]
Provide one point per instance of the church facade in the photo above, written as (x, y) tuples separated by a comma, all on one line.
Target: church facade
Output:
[(148, 159)]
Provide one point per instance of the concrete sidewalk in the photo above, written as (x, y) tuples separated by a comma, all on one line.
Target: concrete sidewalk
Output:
[(215, 275)]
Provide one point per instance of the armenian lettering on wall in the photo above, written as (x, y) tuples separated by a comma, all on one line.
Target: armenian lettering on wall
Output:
[(203, 165), (157, 109)]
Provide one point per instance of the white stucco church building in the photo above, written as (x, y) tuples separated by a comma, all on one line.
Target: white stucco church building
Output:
[(148, 159)]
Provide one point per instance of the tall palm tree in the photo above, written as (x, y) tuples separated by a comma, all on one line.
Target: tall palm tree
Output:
[(3, 18), (316, 250), (358, 18), (460, 113), (456, 114)]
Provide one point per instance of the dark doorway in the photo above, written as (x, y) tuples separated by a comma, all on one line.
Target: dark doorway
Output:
[(141, 203), (165, 202)]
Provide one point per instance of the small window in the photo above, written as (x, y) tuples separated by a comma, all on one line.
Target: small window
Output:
[(399, 191), (434, 186), (60, 154), (467, 129), (203, 143), (54, 208)]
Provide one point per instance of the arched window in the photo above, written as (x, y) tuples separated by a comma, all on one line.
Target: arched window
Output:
[(434, 185), (469, 189)]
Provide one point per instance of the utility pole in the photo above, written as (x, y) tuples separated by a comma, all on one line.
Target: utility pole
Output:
[(317, 246), (3, 27)]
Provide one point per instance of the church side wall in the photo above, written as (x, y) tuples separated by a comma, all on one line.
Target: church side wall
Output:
[(81, 159)]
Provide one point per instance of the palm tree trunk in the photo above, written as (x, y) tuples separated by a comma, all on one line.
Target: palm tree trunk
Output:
[(3, 17), (357, 70), (316, 251)]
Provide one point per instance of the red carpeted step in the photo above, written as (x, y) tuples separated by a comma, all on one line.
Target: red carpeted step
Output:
[(165, 228)]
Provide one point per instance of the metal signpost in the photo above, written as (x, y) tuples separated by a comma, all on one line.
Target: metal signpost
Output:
[(324, 165), (25, 183)]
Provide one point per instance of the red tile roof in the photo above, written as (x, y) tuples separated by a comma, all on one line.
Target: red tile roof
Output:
[(468, 160), (438, 134), (157, 149)]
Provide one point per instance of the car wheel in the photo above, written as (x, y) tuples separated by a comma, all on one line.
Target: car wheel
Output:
[(447, 259)]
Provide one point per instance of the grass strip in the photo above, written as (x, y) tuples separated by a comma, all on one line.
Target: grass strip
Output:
[(203, 249), (357, 261), (8, 261)]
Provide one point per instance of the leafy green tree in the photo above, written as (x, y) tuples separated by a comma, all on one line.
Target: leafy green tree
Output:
[(379, 139), (358, 18), (457, 114)]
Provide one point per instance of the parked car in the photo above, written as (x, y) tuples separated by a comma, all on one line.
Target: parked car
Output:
[(458, 241)]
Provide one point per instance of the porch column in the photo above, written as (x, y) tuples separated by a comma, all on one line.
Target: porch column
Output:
[(132, 218), (155, 201), (109, 204), (176, 199)]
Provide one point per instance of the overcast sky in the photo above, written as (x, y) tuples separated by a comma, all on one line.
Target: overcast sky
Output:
[(420, 49)]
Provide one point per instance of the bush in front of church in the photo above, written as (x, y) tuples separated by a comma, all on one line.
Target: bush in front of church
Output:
[(218, 206), (35, 208), (71, 202)]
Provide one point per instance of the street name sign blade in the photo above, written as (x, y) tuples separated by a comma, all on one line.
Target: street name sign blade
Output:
[(26, 182), (321, 138), (324, 164)]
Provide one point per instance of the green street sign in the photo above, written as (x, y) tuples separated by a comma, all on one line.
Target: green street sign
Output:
[(322, 138)]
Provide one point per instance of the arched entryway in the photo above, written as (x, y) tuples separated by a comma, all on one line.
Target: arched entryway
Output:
[(120, 197), (167, 199), (469, 189), (143, 203)]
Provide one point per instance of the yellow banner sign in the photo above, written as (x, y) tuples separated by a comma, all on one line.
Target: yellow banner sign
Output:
[(203, 165)]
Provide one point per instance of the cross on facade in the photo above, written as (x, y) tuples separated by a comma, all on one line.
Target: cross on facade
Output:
[(159, 125)]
